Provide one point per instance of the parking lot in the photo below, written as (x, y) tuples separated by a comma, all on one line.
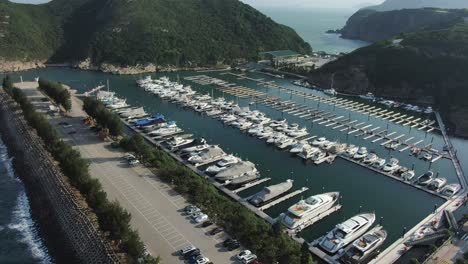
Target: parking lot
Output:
[(157, 210)]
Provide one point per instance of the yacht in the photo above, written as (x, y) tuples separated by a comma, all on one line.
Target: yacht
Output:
[(318, 155), (170, 129), (437, 184), (223, 164), (365, 247), (351, 150), (229, 118), (426, 178), (286, 142), (292, 128), (299, 214), (278, 123), (361, 153), (299, 147), (379, 163), (338, 148), (249, 177), (346, 232), (255, 130), (368, 96), (245, 125), (427, 156), (391, 166), (371, 158), (178, 142), (319, 142), (237, 170), (327, 146), (276, 139), (308, 152), (270, 192), (450, 190), (195, 149), (206, 155), (299, 133), (267, 132), (408, 175), (214, 112), (331, 92)]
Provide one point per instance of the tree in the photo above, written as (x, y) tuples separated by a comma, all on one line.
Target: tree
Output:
[(306, 258)]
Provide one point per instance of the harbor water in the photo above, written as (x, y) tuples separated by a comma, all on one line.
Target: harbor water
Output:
[(19, 238), (397, 205)]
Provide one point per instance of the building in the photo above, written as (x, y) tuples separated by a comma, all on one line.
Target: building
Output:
[(276, 58)]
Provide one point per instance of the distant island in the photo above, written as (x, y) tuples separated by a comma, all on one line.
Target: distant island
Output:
[(148, 36), (407, 4), (333, 31)]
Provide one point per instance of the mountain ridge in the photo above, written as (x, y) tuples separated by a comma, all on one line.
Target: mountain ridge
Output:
[(389, 5), (179, 33)]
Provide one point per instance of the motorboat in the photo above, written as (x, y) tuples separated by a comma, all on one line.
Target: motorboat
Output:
[(206, 155), (320, 142), (379, 163), (365, 247), (299, 214), (345, 233), (277, 123), (229, 118), (285, 143), (437, 184), (361, 153), (450, 190), (270, 192), (408, 175), (425, 179), (319, 155), (249, 177), (298, 133), (292, 128), (351, 150), (308, 152), (391, 166), (327, 146), (245, 125), (237, 170), (427, 156), (265, 133), (170, 129), (338, 148), (177, 142), (370, 158), (276, 138), (331, 92), (221, 165), (194, 149), (368, 96), (282, 128), (214, 112), (299, 147), (255, 130)]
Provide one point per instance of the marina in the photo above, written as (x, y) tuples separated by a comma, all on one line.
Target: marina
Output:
[(281, 164)]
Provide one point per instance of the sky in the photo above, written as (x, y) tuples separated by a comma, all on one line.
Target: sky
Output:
[(283, 3)]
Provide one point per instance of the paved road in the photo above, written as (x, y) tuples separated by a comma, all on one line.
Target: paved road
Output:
[(450, 252), (155, 207)]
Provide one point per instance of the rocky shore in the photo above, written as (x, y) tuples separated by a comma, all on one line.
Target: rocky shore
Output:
[(16, 66)]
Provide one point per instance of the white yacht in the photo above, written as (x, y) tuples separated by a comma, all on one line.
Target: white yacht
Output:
[(327, 146), (365, 247), (425, 179), (299, 147), (292, 128), (170, 129), (214, 112), (178, 142), (368, 96), (351, 150), (346, 232), (265, 133), (450, 190), (299, 133), (408, 175), (195, 149), (255, 130), (285, 143), (331, 92), (379, 163), (277, 123), (299, 214), (235, 171), (437, 184), (320, 142), (223, 164), (270, 192), (206, 155), (361, 153), (318, 155), (308, 152), (391, 166), (371, 158)]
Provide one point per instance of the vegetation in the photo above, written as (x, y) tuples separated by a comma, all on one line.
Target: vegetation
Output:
[(427, 67), (57, 92), (103, 116), (269, 243), (163, 32), (372, 26), (112, 217), (411, 4)]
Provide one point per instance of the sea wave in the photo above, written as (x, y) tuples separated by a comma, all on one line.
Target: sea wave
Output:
[(6, 162), (25, 226)]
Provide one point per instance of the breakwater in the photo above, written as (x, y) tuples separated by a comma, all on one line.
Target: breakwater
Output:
[(70, 234)]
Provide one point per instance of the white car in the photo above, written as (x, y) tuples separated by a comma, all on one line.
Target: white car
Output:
[(129, 156), (249, 258), (187, 249), (133, 162), (243, 254), (201, 218), (203, 260)]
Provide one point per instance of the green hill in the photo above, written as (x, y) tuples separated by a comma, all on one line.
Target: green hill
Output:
[(426, 67), (401, 4), (122, 32), (372, 26)]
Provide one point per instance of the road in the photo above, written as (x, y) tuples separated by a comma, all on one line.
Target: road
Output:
[(155, 207)]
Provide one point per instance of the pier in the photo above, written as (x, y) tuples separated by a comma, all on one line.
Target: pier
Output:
[(250, 185), (282, 199), (317, 218)]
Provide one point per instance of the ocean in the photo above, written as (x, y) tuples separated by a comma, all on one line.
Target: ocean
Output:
[(19, 238), (311, 25)]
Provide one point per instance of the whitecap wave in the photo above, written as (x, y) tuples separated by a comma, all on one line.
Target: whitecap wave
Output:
[(25, 226), (7, 162)]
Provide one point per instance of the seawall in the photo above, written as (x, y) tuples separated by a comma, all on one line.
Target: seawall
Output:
[(69, 233)]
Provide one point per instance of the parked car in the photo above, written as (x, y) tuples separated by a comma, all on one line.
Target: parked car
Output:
[(249, 259), (193, 210), (192, 253), (133, 162), (63, 124), (243, 254), (187, 249), (216, 230), (201, 218), (129, 156), (206, 224), (72, 132), (233, 246), (195, 259), (229, 241), (196, 214)]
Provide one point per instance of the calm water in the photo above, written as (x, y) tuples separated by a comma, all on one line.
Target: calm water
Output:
[(19, 239), (311, 25), (363, 190)]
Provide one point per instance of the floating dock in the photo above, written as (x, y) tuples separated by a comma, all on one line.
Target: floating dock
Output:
[(282, 199)]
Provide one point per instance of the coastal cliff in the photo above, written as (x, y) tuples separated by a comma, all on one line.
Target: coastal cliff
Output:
[(124, 34), (373, 26)]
